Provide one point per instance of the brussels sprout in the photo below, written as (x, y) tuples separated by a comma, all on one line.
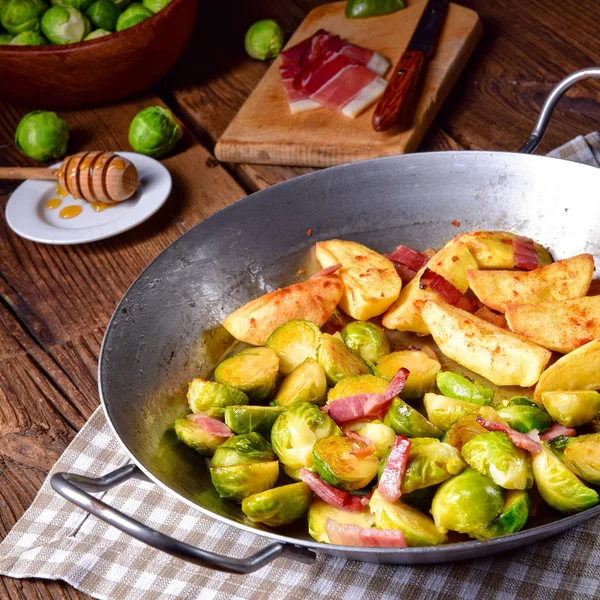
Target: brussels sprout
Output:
[(524, 415), (237, 483), (558, 486), (264, 40), (319, 511), (337, 360), (210, 397), (418, 529), (155, 5), (494, 455), (443, 411), (367, 340), (306, 383), (467, 502), (97, 33), (78, 4), (253, 371), (456, 386), (18, 16), (42, 135), (380, 434), (421, 365), (245, 449), (103, 14), (135, 13), (295, 432), (511, 519), (337, 464), (196, 437), (29, 38), (6, 38), (154, 131), (249, 419), (294, 342), (278, 506), (359, 384), (463, 430), (581, 454), (420, 499), (121, 4), (573, 408), (405, 420), (64, 25)]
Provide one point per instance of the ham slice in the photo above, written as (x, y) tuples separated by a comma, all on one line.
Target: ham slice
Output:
[(525, 254), (326, 271), (354, 535), (393, 471), (211, 426), (366, 446), (520, 440), (491, 317), (448, 292), (403, 255), (557, 430), (331, 495), (298, 101)]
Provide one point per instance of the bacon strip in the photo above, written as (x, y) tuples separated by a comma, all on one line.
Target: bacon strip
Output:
[(366, 446), (491, 317), (326, 271), (331, 495), (352, 408), (210, 425), (395, 466), (403, 255), (430, 280), (557, 430), (396, 385), (353, 535), (525, 254), (520, 440)]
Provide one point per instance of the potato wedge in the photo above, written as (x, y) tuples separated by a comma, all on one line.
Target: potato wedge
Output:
[(562, 280), (501, 356), (370, 280), (451, 262), (311, 300), (494, 250), (578, 370), (561, 326)]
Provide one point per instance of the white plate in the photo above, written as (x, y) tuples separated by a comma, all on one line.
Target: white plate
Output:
[(28, 216)]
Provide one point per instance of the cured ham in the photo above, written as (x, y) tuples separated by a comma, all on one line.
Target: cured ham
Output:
[(450, 294), (353, 535), (403, 255), (557, 430), (525, 254), (327, 493), (326, 271), (520, 440), (366, 446), (298, 101), (393, 471), (211, 426)]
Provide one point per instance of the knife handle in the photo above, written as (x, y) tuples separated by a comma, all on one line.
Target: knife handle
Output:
[(399, 90)]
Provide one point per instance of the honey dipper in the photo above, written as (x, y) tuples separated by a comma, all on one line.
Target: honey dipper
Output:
[(93, 176)]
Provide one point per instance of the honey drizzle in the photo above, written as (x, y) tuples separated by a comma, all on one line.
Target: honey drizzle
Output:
[(60, 192), (99, 206), (68, 212), (53, 203)]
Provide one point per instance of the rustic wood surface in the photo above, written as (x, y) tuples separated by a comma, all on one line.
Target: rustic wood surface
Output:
[(55, 302)]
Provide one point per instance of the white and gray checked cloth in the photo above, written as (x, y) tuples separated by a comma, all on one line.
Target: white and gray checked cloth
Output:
[(56, 540)]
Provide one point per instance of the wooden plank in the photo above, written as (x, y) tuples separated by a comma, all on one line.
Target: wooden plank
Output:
[(265, 132)]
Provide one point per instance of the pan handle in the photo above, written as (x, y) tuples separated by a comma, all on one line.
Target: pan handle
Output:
[(77, 488), (548, 107)]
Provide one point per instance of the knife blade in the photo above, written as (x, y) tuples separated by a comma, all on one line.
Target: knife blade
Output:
[(391, 107)]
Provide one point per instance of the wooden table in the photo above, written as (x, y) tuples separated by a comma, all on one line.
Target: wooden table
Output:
[(55, 302)]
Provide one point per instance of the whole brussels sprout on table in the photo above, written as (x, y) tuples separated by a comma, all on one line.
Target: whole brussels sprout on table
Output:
[(42, 135), (154, 131)]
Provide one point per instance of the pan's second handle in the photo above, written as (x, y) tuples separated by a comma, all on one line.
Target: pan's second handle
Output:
[(548, 107), (77, 488)]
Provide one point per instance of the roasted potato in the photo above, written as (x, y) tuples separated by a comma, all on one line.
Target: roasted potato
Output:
[(578, 370), (370, 280), (561, 326), (452, 262), (494, 249), (499, 355), (311, 300), (562, 280)]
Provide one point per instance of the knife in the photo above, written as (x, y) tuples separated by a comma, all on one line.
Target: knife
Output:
[(391, 107)]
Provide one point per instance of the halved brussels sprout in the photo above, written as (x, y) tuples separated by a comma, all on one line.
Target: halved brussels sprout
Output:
[(422, 367), (405, 420), (581, 454), (453, 385), (210, 397), (467, 502), (558, 486), (319, 511), (241, 481), (278, 506), (522, 414), (420, 499), (418, 529), (294, 342), (338, 361), (463, 430), (306, 383), (494, 455), (244, 449), (295, 432), (360, 384), (572, 408), (367, 340), (194, 436), (443, 412), (511, 519), (337, 464), (253, 371), (249, 419), (380, 434)]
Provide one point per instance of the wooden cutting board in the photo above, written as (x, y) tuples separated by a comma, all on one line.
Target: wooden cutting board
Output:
[(265, 132)]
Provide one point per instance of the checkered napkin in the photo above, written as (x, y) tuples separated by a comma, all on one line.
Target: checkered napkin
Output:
[(56, 540)]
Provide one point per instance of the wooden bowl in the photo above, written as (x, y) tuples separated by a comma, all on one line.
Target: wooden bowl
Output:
[(102, 70)]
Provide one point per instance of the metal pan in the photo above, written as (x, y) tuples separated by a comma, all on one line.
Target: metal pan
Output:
[(166, 328)]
